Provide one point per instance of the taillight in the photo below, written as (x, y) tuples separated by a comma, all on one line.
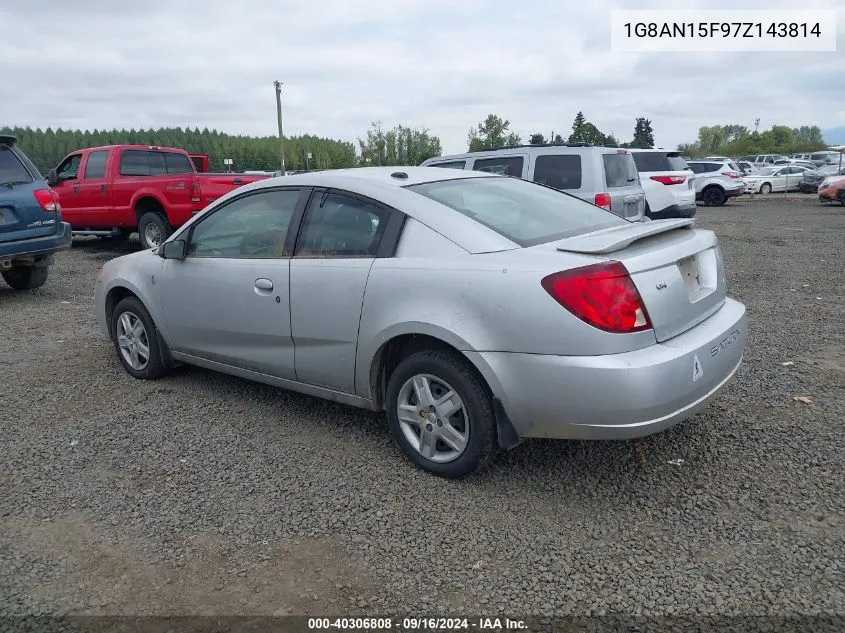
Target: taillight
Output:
[(196, 194), (731, 174), (602, 295), (48, 200), (670, 180), (603, 200)]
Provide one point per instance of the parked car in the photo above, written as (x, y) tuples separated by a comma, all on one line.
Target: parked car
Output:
[(825, 158), (832, 189), (811, 179), (763, 160), (31, 226), (667, 183), (769, 179), (529, 309), (604, 176), (716, 181), (116, 190), (745, 166), (802, 163)]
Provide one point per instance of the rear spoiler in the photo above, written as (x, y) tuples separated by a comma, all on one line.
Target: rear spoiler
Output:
[(8, 140), (619, 237)]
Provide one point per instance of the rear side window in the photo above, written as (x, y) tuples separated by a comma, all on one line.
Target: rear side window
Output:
[(157, 166), (458, 164), (12, 169), (95, 167), (135, 162), (560, 171), (505, 165), (698, 168), (177, 163), (620, 170), (519, 210)]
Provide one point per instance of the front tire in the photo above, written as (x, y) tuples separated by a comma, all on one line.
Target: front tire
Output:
[(136, 340), (714, 197), (765, 188), (26, 277), (440, 414), (153, 229)]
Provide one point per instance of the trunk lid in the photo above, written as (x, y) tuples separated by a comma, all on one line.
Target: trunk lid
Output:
[(677, 269)]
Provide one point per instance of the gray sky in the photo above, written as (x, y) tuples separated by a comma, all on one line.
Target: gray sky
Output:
[(442, 64)]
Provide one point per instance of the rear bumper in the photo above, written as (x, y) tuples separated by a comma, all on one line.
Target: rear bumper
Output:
[(620, 396), (674, 211), (37, 246)]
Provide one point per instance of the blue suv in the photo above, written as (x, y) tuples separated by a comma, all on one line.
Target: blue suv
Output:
[(31, 227)]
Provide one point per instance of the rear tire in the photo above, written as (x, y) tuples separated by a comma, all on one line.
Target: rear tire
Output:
[(472, 426), (153, 229), (714, 197), (136, 340), (842, 197), (26, 277)]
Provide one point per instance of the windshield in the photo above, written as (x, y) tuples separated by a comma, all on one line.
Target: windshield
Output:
[(524, 212)]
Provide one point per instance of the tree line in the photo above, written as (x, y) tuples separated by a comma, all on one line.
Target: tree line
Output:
[(47, 147), (739, 140), (399, 145)]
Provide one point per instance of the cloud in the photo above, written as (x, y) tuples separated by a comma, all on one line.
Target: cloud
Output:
[(435, 63)]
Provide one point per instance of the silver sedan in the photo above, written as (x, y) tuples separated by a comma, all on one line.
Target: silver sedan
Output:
[(475, 310)]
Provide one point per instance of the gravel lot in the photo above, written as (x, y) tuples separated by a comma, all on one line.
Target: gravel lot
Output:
[(206, 494)]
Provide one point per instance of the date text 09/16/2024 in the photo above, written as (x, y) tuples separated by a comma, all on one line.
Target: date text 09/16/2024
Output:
[(417, 624)]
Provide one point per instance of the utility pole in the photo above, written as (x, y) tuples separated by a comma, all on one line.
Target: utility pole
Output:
[(756, 125), (278, 85)]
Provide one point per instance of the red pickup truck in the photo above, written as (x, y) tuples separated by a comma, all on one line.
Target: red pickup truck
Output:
[(119, 189)]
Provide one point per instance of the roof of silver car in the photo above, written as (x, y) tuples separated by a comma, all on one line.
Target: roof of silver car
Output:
[(398, 176)]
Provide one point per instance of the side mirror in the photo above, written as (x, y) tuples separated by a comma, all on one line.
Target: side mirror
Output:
[(52, 178), (173, 250)]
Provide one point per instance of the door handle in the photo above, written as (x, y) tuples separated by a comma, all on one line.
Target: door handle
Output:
[(237, 181), (102, 189), (76, 190), (263, 284)]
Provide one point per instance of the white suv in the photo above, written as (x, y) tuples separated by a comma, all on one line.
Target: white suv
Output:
[(716, 181), (667, 182)]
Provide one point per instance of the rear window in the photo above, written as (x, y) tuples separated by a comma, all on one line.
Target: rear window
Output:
[(659, 161), (519, 210), (560, 171), (11, 168), (504, 165), (620, 170), (703, 168)]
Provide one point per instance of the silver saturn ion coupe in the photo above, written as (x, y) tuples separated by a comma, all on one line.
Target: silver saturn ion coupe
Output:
[(474, 309)]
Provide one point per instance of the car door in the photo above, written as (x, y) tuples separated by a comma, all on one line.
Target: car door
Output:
[(228, 299), (93, 192), (779, 179), (794, 176), (67, 188), (340, 237)]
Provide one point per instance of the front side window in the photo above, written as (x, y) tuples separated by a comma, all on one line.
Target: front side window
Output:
[(620, 170), (505, 165), (69, 169), (255, 226), (559, 171), (519, 210), (337, 225)]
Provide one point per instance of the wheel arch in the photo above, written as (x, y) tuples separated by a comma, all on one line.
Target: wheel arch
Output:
[(400, 344)]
